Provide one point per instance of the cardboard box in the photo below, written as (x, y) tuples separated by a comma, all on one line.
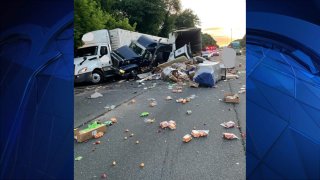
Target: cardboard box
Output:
[(228, 99), (86, 134)]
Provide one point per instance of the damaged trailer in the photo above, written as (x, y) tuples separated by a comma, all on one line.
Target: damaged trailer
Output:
[(144, 54), (185, 40)]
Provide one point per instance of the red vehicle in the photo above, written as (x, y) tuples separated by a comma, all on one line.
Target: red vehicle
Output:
[(213, 49)]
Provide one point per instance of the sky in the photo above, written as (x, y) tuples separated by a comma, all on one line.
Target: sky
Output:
[(220, 18)]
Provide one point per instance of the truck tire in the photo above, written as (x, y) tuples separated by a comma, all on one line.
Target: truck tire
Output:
[(97, 77)]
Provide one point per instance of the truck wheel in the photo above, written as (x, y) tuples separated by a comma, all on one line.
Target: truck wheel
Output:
[(97, 77)]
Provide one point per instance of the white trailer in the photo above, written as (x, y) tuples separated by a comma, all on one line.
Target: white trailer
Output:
[(121, 37)]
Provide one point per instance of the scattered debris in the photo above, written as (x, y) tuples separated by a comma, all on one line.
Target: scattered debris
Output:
[(143, 76), (75, 132), (164, 124), (95, 95), (78, 158), (189, 112), (171, 124), (199, 133), (148, 76), (153, 103), (114, 120), (193, 84), (97, 142), (168, 98), (144, 114), (242, 90), (110, 107), (132, 101), (94, 130), (169, 63), (186, 138), (98, 135), (243, 135), (192, 96), (147, 120), (177, 90), (183, 100), (103, 176), (142, 165), (229, 136), (229, 124), (108, 123), (232, 76), (231, 98), (232, 71)]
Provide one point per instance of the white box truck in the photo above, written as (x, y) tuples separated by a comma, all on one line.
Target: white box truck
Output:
[(92, 62)]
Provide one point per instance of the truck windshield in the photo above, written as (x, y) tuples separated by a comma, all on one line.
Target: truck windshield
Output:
[(87, 51), (138, 50)]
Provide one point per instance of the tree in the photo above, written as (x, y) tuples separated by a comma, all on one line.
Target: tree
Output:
[(89, 16), (149, 15), (207, 40), (168, 25), (107, 5), (187, 19), (172, 7)]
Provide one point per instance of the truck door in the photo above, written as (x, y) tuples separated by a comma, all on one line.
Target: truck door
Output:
[(105, 60), (105, 56)]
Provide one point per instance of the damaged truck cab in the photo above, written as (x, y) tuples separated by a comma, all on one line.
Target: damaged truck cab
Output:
[(92, 61), (140, 56), (105, 53)]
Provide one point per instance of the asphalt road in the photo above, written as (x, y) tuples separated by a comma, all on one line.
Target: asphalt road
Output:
[(164, 154)]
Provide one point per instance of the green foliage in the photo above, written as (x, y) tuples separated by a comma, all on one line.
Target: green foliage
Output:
[(207, 40), (156, 17), (148, 15), (107, 5), (89, 16), (168, 26), (172, 7), (187, 19)]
